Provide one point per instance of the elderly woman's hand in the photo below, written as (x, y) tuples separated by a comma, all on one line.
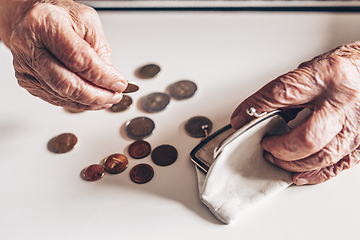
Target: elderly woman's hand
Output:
[(60, 54), (327, 142)]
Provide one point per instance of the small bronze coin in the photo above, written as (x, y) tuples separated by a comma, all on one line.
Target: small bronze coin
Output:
[(164, 155), (131, 87), (155, 102), (139, 149), (62, 143), (141, 173), (139, 127), (182, 89), (148, 71), (198, 126), (115, 163), (124, 104), (93, 172)]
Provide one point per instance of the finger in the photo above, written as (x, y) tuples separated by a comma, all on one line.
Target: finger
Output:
[(324, 174), (68, 85), (344, 143), (32, 85), (78, 56), (293, 89), (307, 138)]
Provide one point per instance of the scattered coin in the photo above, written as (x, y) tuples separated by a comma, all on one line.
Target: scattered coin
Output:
[(115, 163), (73, 110), (63, 143), (155, 102), (93, 173), (198, 126), (148, 71), (182, 89), (141, 173), (164, 155), (131, 87), (139, 127), (139, 149), (124, 104)]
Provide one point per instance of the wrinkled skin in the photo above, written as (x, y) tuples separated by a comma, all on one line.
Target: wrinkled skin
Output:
[(61, 55), (326, 142)]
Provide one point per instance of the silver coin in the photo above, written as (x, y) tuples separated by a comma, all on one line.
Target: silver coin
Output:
[(182, 89), (198, 126), (139, 127), (155, 102), (148, 71)]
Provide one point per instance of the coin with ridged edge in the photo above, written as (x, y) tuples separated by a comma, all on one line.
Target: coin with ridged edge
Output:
[(115, 163), (123, 105), (139, 149), (148, 71), (141, 173), (183, 89), (197, 126), (139, 127), (164, 155), (155, 102), (62, 143), (93, 172)]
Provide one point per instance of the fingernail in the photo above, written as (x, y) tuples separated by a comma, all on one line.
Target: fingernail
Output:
[(301, 181), (115, 99), (118, 87)]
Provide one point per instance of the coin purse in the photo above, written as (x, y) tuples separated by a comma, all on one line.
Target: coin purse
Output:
[(232, 175)]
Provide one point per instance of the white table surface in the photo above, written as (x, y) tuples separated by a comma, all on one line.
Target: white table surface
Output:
[(229, 56)]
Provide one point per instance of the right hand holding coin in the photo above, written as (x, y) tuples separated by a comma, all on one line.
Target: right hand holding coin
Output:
[(62, 56)]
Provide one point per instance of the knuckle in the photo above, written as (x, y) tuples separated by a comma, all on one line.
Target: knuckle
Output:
[(309, 141)]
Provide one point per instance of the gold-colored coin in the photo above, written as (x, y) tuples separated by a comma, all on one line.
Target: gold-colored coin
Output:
[(148, 71), (115, 163), (63, 143), (121, 106), (182, 89), (131, 87)]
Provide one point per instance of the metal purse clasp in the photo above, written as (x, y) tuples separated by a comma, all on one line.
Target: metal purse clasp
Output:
[(209, 149)]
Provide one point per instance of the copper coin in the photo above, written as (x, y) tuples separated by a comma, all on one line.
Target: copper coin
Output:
[(148, 71), (139, 149), (164, 155), (131, 87), (115, 163), (93, 173), (198, 126), (141, 173), (124, 104), (63, 143), (182, 89), (155, 102), (139, 127)]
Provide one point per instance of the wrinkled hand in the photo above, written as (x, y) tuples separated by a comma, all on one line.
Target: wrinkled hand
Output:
[(60, 54), (327, 142)]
